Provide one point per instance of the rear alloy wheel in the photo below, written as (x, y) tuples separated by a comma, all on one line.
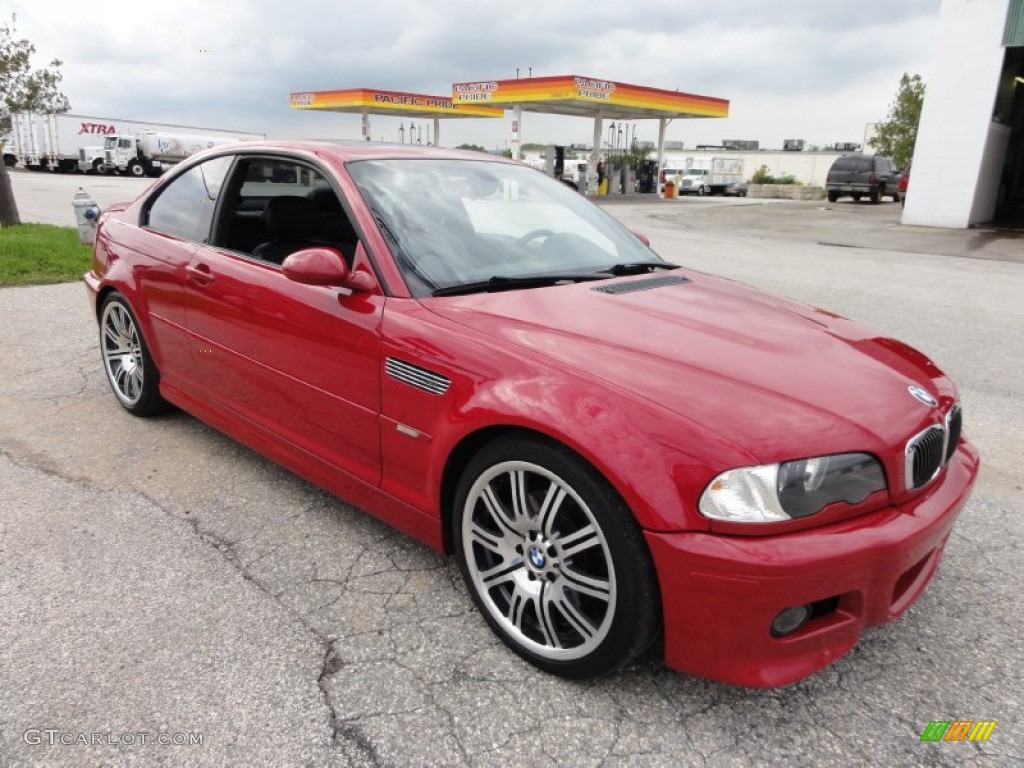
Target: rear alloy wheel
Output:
[(554, 559), (130, 370)]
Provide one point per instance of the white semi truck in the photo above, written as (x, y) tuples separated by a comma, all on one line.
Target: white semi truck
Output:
[(69, 142), (710, 177), (150, 153)]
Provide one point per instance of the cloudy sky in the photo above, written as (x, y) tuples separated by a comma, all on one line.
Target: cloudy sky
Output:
[(817, 70)]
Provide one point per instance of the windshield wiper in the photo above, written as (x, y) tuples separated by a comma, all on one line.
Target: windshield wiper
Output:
[(638, 267), (508, 283)]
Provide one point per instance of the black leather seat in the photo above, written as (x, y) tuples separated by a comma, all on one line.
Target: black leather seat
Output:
[(293, 223), (335, 227)]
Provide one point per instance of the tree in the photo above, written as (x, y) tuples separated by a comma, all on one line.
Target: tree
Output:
[(24, 89), (474, 147), (897, 135)]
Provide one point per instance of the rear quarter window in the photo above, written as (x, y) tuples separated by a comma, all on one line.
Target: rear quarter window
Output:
[(853, 164)]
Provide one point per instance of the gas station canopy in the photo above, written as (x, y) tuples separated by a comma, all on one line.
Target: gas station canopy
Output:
[(367, 101), (588, 97), (370, 101)]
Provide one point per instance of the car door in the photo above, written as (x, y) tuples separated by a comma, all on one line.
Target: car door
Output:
[(300, 362), (174, 221)]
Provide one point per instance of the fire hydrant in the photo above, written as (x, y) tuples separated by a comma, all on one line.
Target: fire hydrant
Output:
[(86, 213)]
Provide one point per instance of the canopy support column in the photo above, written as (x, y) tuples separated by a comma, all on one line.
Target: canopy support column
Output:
[(662, 122), (437, 131), (517, 120), (366, 125), (595, 155)]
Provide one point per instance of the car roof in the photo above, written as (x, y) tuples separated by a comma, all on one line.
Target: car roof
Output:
[(362, 150)]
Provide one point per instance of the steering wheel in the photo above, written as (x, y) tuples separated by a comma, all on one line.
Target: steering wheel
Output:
[(533, 235)]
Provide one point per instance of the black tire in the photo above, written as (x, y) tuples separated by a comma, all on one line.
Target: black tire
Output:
[(98, 167), (136, 169), (876, 196), (833, 196), (701, 191), (856, 197), (131, 372), (569, 586)]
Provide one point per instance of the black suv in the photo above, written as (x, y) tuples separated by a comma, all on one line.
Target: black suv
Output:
[(860, 176)]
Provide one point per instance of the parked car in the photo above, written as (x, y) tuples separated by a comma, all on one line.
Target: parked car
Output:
[(874, 177), (617, 450)]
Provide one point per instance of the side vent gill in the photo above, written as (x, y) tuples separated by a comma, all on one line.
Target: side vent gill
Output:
[(414, 376)]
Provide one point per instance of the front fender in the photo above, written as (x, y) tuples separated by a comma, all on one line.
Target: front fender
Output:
[(657, 461)]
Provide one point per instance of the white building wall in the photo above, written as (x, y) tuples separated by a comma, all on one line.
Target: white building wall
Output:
[(954, 132), (806, 167)]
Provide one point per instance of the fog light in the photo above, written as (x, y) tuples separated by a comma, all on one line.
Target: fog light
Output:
[(790, 620)]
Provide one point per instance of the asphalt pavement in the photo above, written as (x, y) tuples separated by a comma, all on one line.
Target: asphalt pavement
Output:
[(159, 582)]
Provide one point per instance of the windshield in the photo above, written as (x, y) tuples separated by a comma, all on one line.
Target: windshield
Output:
[(110, 142), (455, 222), (694, 172)]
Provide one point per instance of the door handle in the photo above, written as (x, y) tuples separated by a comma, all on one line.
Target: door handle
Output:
[(200, 274)]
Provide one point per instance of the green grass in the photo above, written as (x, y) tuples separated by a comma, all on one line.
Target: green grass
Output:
[(31, 254)]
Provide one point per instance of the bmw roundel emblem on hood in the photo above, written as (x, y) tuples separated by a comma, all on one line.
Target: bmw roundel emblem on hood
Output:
[(922, 395)]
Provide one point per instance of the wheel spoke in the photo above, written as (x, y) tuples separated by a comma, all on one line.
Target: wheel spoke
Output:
[(501, 573), (520, 501), (111, 354), (487, 540), (136, 381), (120, 377), (112, 335), (120, 321), (547, 625), (517, 603), (587, 585), (549, 508), (554, 598), (577, 541), (496, 511)]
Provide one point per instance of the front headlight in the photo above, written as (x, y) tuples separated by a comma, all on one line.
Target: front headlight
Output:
[(775, 492)]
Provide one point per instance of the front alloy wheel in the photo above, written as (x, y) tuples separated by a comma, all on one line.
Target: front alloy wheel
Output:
[(130, 370), (553, 559)]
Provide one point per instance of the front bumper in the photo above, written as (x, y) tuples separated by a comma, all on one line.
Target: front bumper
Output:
[(721, 593)]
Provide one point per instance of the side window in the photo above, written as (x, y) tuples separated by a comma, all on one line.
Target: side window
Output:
[(277, 207), (185, 208)]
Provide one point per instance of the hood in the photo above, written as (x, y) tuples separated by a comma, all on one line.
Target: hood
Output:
[(777, 378)]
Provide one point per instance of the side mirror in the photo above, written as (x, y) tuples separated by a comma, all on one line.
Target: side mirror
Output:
[(324, 266), (641, 237)]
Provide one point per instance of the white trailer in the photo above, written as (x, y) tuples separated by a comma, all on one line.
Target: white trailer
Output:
[(710, 177), (70, 142), (150, 153)]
